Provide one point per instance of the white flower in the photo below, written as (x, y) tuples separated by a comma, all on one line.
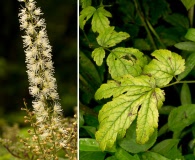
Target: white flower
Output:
[(57, 108), (40, 72), (27, 40), (34, 90), (30, 29), (37, 12)]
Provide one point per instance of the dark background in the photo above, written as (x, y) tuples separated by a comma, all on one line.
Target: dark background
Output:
[(61, 21)]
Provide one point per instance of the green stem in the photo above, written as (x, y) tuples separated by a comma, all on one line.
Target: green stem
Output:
[(155, 34), (191, 15), (145, 24), (177, 82), (90, 45)]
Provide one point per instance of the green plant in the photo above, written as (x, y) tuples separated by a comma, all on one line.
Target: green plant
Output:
[(123, 109)]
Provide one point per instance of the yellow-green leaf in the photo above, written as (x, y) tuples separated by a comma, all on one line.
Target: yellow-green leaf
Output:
[(85, 14), (85, 3), (109, 37), (166, 65), (122, 61), (188, 3), (100, 21), (98, 55), (129, 94)]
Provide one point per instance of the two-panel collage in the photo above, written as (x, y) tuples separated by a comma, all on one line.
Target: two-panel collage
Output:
[(97, 80)]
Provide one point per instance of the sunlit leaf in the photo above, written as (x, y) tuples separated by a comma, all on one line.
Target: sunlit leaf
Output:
[(188, 3), (109, 37), (122, 61), (130, 94), (85, 14), (166, 65), (98, 55), (85, 3), (100, 21)]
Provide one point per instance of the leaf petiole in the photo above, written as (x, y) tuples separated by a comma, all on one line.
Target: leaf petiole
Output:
[(177, 82)]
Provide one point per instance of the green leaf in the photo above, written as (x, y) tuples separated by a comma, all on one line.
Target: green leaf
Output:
[(142, 44), (152, 156), (181, 117), (190, 35), (89, 78), (186, 46), (190, 63), (129, 93), (168, 148), (129, 142), (90, 130), (177, 20), (109, 37), (166, 65), (100, 21), (81, 119), (85, 3), (121, 154), (111, 158), (88, 144), (83, 155), (98, 55), (185, 95), (85, 14), (188, 3), (122, 61), (166, 109)]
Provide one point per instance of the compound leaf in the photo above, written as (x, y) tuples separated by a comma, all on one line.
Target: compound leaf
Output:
[(166, 65), (115, 117), (122, 61), (100, 21), (98, 55), (86, 13), (109, 37)]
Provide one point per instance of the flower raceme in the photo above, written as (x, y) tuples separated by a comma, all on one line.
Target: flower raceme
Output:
[(40, 72)]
